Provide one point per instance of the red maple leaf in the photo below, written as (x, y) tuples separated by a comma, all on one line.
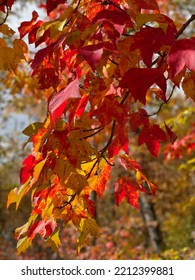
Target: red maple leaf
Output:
[(41, 54), (52, 4), (129, 189), (182, 54), (171, 135), (138, 118), (27, 168), (93, 53), (27, 26), (117, 18), (139, 80), (44, 228), (57, 103), (128, 163), (149, 40), (152, 136)]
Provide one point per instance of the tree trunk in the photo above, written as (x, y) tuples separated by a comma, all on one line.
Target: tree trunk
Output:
[(151, 222)]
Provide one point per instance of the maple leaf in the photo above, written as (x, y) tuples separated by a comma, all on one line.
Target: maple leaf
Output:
[(128, 163), (181, 54), (44, 228), (27, 169), (52, 4), (152, 136), (98, 183), (136, 6), (188, 85), (148, 77), (129, 189), (117, 18), (26, 26), (87, 226), (171, 135), (81, 106), (5, 29), (149, 40), (41, 54), (138, 118), (120, 141), (93, 53), (58, 102)]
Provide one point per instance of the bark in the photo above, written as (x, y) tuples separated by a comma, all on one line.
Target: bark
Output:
[(151, 222)]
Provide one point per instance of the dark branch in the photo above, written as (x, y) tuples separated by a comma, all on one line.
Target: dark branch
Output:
[(192, 18)]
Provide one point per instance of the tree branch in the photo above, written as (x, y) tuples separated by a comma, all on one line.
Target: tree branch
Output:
[(6, 16), (192, 18)]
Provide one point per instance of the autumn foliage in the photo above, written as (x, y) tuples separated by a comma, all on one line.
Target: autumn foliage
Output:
[(100, 66)]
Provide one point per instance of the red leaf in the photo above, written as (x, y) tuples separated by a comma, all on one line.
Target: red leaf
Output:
[(117, 18), (27, 168), (152, 136), (128, 163), (93, 53), (58, 102), (136, 6), (129, 189), (4, 4), (148, 77), (52, 4), (81, 106), (41, 54), (44, 228), (120, 140), (149, 40), (27, 26), (48, 78), (172, 136), (181, 54), (137, 119), (148, 4)]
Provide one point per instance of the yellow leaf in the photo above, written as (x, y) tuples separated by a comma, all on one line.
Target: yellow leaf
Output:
[(37, 170), (54, 26), (189, 85), (87, 226), (8, 58), (6, 30), (16, 194), (20, 48), (54, 241), (23, 244)]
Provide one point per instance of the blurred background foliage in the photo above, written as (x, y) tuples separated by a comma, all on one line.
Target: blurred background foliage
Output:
[(124, 231)]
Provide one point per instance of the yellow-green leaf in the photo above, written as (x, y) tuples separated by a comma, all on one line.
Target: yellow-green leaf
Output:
[(23, 244), (87, 226), (32, 128)]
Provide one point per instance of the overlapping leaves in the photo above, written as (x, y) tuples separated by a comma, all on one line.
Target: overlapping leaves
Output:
[(101, 61)]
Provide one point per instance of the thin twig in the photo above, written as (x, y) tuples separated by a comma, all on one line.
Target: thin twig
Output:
[(6, 16), (161, 105), (192, 18), (94, 133)]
